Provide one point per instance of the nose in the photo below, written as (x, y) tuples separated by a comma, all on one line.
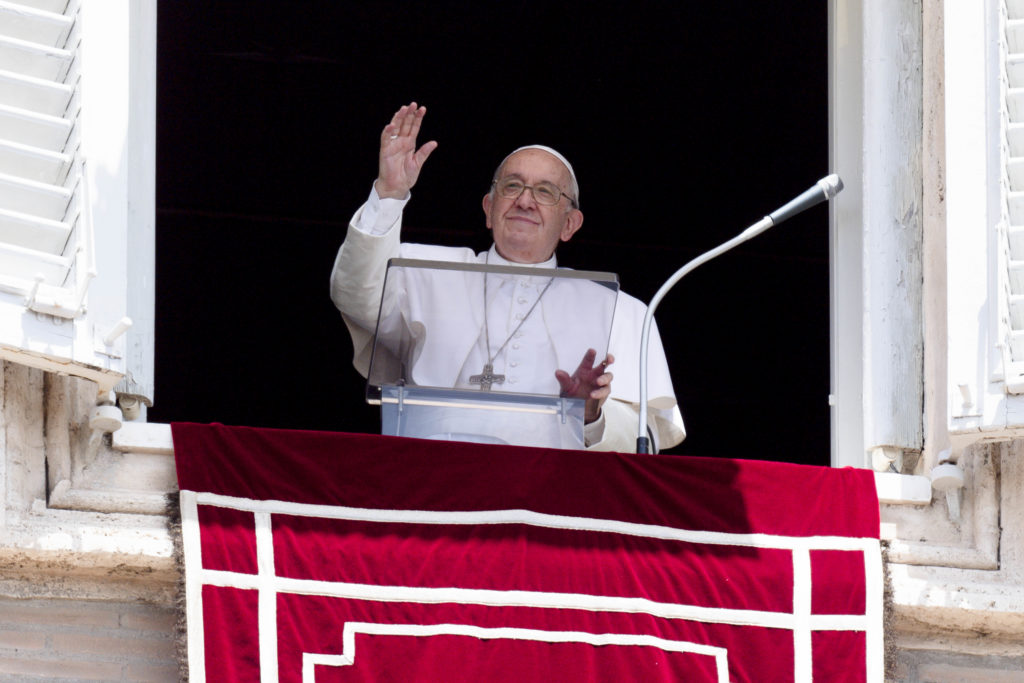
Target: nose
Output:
[(525, 199)]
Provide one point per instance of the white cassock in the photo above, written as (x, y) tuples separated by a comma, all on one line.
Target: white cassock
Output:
[(530, 331)]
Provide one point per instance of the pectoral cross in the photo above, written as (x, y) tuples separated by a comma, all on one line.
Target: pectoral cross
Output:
[(486, 378)]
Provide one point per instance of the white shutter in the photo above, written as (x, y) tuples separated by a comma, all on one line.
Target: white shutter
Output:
[(77, 169), (45, 245), (1010, 268)]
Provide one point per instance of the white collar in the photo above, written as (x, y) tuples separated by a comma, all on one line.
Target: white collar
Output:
[(496, 259)]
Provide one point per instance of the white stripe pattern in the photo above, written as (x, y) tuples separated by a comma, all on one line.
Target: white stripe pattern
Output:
[(539, 519), (800, 621), (348, 656)]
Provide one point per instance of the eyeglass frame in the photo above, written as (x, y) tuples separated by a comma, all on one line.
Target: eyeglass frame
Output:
[(572, 202)]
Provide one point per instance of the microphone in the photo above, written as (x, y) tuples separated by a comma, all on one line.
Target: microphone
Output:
[(822, 191)]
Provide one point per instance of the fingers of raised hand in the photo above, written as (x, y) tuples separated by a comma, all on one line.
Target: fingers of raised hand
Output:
[(413, 121), (423, 152), (394, 126), (405, 122)]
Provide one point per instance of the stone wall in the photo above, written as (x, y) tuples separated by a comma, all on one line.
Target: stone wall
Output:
[(88, 581), (939, 666), (956, 569), (86, 640)]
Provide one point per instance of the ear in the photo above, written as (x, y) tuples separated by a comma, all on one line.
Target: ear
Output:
[(487, 209), (573, 222)]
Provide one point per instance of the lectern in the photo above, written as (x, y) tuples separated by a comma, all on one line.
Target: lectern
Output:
[(468, 351)]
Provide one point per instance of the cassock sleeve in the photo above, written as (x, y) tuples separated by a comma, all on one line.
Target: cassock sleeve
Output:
[(357, 282), (621, 410)]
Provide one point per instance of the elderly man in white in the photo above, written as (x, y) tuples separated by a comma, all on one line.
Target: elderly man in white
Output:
[(533, 204)]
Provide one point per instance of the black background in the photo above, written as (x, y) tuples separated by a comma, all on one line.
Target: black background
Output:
[(685, 122)]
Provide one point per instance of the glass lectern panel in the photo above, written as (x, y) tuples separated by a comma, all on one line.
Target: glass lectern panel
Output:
[(469, 352), (494, 418)]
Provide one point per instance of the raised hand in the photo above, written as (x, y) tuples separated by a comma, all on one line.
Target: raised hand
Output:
[(400, 162), (589, 382)]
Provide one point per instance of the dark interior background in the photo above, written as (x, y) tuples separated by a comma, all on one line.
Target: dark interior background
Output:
[(685, 122)]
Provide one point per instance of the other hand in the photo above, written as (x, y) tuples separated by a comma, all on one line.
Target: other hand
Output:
[(590, 382)]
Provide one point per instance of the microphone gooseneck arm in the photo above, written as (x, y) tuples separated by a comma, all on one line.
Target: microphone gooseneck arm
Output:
[(824, 190)]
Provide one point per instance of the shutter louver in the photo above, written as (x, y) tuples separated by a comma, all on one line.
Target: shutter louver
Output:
[(77, 189), (1011, 224), (44, 248)]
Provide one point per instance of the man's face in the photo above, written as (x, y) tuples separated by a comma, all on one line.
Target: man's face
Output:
[(525, 231)]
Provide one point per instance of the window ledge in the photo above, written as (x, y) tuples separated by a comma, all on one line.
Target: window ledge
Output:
[(62, 553), (903, 489), (155, 439)]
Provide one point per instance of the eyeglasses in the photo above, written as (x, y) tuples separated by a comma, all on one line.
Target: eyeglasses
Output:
[(546, 194)]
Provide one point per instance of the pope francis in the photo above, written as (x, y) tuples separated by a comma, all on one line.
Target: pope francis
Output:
[(532, 205)]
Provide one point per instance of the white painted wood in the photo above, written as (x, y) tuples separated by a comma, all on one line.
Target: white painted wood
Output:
[(975, 256), (19, 265), (58, 6), (1010, 266), (38, 199), (1015, 234), (31, 232), (1015, 70), (1015, 103), (38, 205), (1015, 274), (34, 25), (1015, 171), (1015, 35), (1013, 226), (34, 129), (876, 237), (892, 226), (140, 341), (34, 94), (1017, 317), (54, 345), (845, 237), (32, 59), (33, 163), (77, 192), (1015, 139)]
